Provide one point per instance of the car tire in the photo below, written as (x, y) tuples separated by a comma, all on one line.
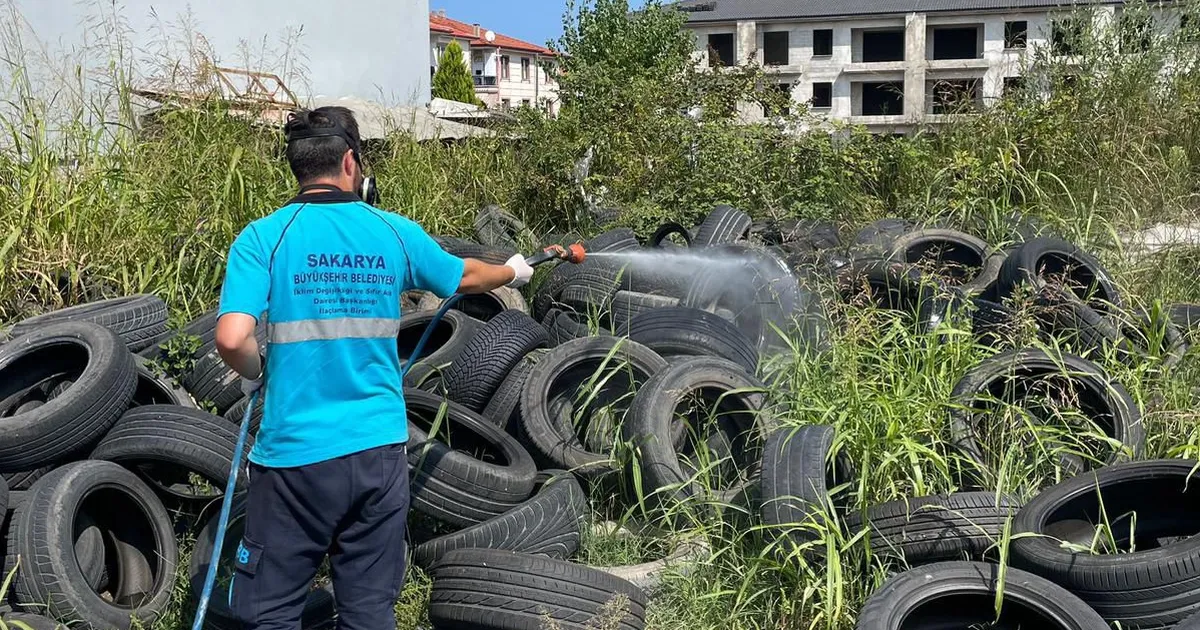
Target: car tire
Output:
[(137, 319), (1156, 585), (963, 595), (71, 423), (488, 357), (134, 520), (475, 478), (547, 524), (924, 530), (522, 591), (683, 331)]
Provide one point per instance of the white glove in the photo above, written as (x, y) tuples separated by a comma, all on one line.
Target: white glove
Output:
[(250, 386), (523, 271)]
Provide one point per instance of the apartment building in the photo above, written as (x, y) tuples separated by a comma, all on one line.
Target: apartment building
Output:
[(887, 64), (508, 72)]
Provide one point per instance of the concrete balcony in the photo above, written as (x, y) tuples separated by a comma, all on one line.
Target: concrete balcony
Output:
[(866, 67)]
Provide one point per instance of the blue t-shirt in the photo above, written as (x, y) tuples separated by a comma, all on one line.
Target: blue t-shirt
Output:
[(328, 270)]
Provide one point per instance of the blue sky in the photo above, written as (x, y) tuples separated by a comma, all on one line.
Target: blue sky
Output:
[(534, 21)]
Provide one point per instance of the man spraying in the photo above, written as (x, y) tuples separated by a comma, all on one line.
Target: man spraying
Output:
[(329, 468)]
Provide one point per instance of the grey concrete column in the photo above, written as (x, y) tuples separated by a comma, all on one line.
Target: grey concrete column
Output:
[(914, 66), (747, 42)]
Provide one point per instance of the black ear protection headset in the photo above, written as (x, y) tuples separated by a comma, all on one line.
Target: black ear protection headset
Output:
[(370, 191)]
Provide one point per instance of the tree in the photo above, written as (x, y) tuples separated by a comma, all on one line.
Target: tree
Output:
[(452, 81)]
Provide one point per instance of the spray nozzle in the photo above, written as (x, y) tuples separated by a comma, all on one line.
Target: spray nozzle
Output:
[(573, 253)]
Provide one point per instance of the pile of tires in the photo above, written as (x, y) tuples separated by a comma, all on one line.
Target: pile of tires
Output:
[(103, 460), (631, 384)]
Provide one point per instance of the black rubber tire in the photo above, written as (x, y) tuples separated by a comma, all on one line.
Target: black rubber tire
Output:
[(1156, 335), (503, 590), (627, 304), (548, 524), (238, 411), (896, 286), (502, 409), (993, 323), (27, 621), (1186, 317), (24, 480), (615, 240), (548, 290), (1108, 403), (799, 472), (962, 260), (660, 235), (562, 374), (497, 227), (591, 288), (876, 238), (731, 396), (448, 339), (725, 224), (154, 388), (43, 537), (1029, 262), (476, 477), (468, 249), (1080, 328), (318, 613), (137, 319), (177, 441), (922, 530), (1155, 586), (89, 551), (489, 356), (565, 326), (682, 331), (481, 306), (104, 379), (962, 595), (765, 297)]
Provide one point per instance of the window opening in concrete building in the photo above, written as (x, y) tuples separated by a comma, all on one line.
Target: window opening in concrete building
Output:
[(1016, 34), (720, 49), (1136, 32), (881, 46), (526, 102), (822, 96), (1066, 36), (504, 69), (883, 98), (775, 48), (960, 42), (505, 104), (524, 68), (952, 96), (823, 42)]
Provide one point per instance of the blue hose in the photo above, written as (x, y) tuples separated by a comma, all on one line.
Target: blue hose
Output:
[(226, 504)]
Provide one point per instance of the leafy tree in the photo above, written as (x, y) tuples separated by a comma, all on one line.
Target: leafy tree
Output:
[(452, 81)]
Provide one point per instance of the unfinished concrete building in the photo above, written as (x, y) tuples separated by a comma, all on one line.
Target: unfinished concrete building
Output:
[(890, 65)]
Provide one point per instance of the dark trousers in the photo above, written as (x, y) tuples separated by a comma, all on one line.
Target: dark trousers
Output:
[(353, 508)]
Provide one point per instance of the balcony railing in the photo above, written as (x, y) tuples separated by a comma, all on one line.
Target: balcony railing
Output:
[(481, 81)]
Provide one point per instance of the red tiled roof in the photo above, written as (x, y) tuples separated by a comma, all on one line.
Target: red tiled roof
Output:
[(466, 31)]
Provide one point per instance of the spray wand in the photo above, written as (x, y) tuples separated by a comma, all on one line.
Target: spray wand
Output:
[(573, 253)]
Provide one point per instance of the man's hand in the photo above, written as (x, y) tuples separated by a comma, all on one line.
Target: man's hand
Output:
[(521, 270)]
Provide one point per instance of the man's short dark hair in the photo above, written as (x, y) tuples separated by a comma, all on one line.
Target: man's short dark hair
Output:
[(312, 158)]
